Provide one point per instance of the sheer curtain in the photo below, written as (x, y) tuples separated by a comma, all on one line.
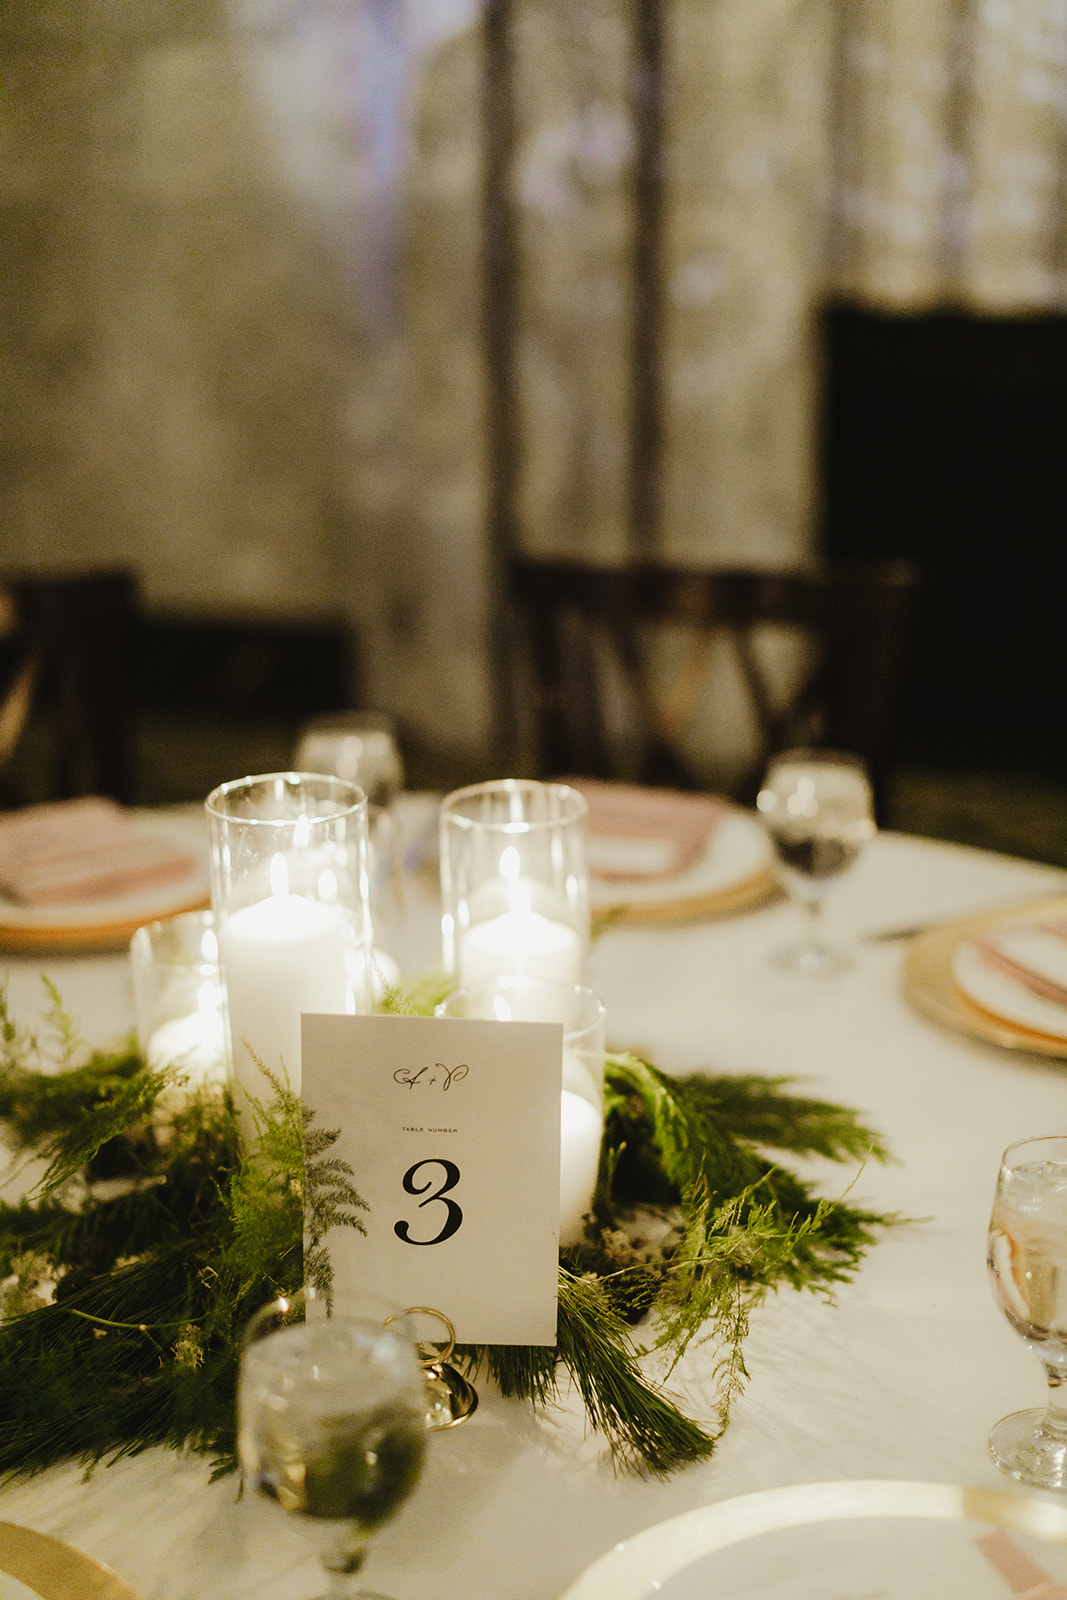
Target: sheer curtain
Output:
[(949, 154), (611, 247), (323, 303), (680, 185)]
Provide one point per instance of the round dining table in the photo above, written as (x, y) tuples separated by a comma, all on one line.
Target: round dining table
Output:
[(899, 1376)]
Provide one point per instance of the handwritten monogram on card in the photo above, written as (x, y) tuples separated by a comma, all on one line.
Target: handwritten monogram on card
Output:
[(428, 1077)]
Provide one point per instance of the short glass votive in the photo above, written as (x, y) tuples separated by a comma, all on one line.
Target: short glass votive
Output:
[(582, 1095), (514, 882), (176, 997), (289, 892)]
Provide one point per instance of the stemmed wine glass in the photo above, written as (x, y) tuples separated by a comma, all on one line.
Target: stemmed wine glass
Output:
[(818, 810), (1027, 1257), (331, 1423)]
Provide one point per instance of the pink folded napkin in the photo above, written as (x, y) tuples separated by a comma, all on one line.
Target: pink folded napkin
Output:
[(1025, 1579), (639, 834), (80, 850)]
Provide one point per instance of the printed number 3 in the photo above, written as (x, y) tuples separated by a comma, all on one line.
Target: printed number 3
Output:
[(413, 1186)]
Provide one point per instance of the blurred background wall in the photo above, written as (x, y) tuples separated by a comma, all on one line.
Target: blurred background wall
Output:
[(242, 317), (243, 313)]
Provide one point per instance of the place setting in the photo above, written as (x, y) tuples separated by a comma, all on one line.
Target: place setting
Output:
[(662, 855), (999, 976), (81, 875)]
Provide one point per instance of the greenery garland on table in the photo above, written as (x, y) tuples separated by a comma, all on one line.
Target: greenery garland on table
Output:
[(123, 1301)]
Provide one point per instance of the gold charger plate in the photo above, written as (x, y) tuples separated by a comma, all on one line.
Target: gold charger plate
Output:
[(54, 1570), (930, 986), (741, 896)]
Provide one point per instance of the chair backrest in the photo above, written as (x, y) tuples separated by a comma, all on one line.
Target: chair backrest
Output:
[(580, 618), (68, 638)]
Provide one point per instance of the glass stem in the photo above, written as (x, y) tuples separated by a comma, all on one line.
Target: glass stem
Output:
[(813, 907), (343, 1566), (343, 1585), (1054, 1422)]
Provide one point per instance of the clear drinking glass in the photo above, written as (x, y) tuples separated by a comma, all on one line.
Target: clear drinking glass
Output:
[(1027, 1258), (362, 748), (331, 1423), (818, 810), (359, 746), (582, 1090)]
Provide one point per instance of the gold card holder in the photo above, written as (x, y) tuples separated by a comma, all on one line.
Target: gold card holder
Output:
[(450, 1398)]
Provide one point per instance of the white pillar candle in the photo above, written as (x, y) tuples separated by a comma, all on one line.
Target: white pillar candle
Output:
[(283, 956), (520, 944), (581, 1130)]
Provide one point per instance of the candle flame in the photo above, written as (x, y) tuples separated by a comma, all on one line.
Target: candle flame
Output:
[(279, 875), (502, 1009), (519, 898)]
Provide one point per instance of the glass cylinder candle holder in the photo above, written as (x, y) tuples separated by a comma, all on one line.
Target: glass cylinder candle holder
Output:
[(174, 967), (514, 882), (508, 999), (289, 892)]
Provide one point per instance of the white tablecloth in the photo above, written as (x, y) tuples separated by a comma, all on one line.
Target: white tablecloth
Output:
[(901, 1377)]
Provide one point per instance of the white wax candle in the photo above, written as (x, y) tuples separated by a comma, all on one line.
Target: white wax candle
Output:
[(581, 1130), (194, 1050), (280, 957), (520, 944)]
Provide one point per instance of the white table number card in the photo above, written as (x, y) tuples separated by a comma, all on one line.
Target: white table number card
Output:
[(452, 1130)]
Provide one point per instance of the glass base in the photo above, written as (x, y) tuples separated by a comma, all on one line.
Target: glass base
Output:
[(1022, 1446), (353, 1594), (810, 959), (346, 1593)]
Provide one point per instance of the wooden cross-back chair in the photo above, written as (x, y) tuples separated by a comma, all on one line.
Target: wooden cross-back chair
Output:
[(66, 638), (854, 618)]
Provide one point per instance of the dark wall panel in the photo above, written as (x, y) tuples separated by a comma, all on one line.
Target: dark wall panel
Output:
[(944, 439)]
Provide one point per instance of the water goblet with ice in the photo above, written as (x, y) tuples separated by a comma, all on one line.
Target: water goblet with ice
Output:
[(332, 1423), (1027, 1258)]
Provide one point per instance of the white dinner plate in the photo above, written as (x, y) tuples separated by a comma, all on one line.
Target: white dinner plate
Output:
[(108, 923), (733, 871), (841, 1541), (1004, 996)]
